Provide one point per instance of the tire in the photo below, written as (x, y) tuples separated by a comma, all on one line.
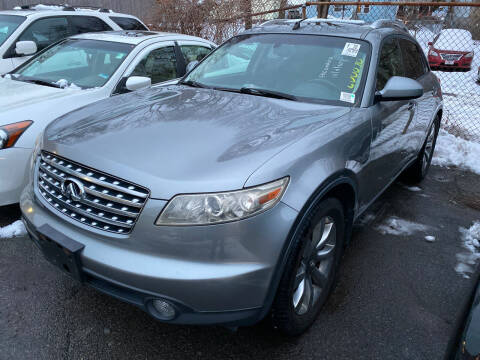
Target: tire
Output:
[(310, 271), (416, 172)]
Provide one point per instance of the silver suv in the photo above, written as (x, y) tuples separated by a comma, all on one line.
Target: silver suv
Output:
[(231, 195)]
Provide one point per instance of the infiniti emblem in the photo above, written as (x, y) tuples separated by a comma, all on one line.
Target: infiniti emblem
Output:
[(73, 189)]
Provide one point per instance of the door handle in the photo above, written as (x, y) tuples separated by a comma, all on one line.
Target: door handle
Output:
[(411, 105)]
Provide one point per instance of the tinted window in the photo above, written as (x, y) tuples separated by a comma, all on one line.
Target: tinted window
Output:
[(84, 24), (194, 52), (46, 31), (159, 65), (390, 63), (128, 23), (412, 59), (8, 24)]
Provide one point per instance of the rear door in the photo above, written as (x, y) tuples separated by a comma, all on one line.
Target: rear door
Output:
[(194, 50), (86, 24)]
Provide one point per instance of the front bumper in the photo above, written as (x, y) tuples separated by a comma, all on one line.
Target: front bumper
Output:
[(438, 64), (211, 274), (14, 166)]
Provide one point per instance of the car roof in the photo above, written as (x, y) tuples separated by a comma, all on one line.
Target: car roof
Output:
[(134, 37), (356, 29), (55, 12)]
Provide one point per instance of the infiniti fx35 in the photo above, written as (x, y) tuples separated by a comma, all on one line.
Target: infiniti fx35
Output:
[(230, 196)]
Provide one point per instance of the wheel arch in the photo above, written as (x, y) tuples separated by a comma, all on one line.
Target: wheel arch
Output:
[(341, 185)]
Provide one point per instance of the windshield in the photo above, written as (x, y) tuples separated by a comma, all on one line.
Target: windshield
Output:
[(301, 67), (8, 24), (75, 63)]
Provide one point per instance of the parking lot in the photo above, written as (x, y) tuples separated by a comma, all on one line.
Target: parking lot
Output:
[(398, 296)]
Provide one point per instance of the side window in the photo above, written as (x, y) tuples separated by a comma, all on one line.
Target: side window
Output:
[(85, 24), (159, 65), (390, 63), (46, 31), (194, 52), (412, 59), (128, 23)]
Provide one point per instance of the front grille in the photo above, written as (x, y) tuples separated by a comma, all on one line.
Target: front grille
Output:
[(451, 57), (107, 203)]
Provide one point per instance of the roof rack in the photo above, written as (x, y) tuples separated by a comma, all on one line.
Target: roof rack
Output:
[(313, 20), (386, 23), (60, 7)]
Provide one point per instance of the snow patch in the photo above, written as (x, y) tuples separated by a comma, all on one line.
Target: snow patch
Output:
[(454, 151), (471, 242), (13, 230), (400, 227), (65, 85), (430, 238)]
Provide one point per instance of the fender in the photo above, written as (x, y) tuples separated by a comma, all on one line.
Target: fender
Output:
[(344, 176)]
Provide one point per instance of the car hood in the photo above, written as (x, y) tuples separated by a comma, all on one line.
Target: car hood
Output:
[(178, 139), (25, 101), (18, 93)]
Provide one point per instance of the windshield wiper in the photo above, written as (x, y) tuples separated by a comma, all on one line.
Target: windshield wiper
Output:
[(39, 82), (267, 93), (192, 83)]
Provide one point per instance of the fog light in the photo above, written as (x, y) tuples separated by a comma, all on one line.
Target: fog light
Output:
[(165, 310)]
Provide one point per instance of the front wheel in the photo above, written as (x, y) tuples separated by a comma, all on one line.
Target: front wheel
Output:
[(310, 270), (419, 169)]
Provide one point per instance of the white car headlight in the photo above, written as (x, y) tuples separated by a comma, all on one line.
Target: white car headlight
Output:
[(10, 133), (433, 53), (214, 208)]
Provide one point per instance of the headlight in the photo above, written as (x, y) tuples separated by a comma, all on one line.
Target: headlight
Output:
[(10, 133), (433, 53), (202, 209), (469, 55)]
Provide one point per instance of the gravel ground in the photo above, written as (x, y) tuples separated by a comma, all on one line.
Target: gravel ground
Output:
[(398, 297)]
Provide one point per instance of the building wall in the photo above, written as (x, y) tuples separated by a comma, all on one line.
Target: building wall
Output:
[(139, 8)]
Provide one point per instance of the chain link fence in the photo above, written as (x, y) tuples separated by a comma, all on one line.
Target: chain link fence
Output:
[(449, 34)]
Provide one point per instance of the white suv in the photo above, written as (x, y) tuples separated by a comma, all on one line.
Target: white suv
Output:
[(28, 29)]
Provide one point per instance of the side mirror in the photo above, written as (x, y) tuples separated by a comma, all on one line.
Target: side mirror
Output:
[(430, 43), (191, 65), (138, 82), (25, 48), (400, 88)]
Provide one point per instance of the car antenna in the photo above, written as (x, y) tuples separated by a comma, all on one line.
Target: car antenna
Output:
[(296, 26)]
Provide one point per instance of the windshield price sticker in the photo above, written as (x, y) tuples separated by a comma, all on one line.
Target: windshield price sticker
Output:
[(348, 97), (351, 49)]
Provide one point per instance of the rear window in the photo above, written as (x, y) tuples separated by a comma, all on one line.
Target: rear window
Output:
[(128, 23)]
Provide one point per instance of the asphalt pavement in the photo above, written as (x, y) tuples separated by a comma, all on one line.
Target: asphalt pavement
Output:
[(398, 297)]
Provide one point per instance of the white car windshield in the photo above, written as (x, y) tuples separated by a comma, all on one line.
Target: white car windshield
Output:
[(75, 63), (309, 68), (8, 24)]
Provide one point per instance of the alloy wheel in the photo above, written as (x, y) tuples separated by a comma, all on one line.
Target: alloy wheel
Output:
[(316, 265)]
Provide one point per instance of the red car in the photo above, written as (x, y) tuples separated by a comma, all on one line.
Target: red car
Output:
[(451, 50)]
